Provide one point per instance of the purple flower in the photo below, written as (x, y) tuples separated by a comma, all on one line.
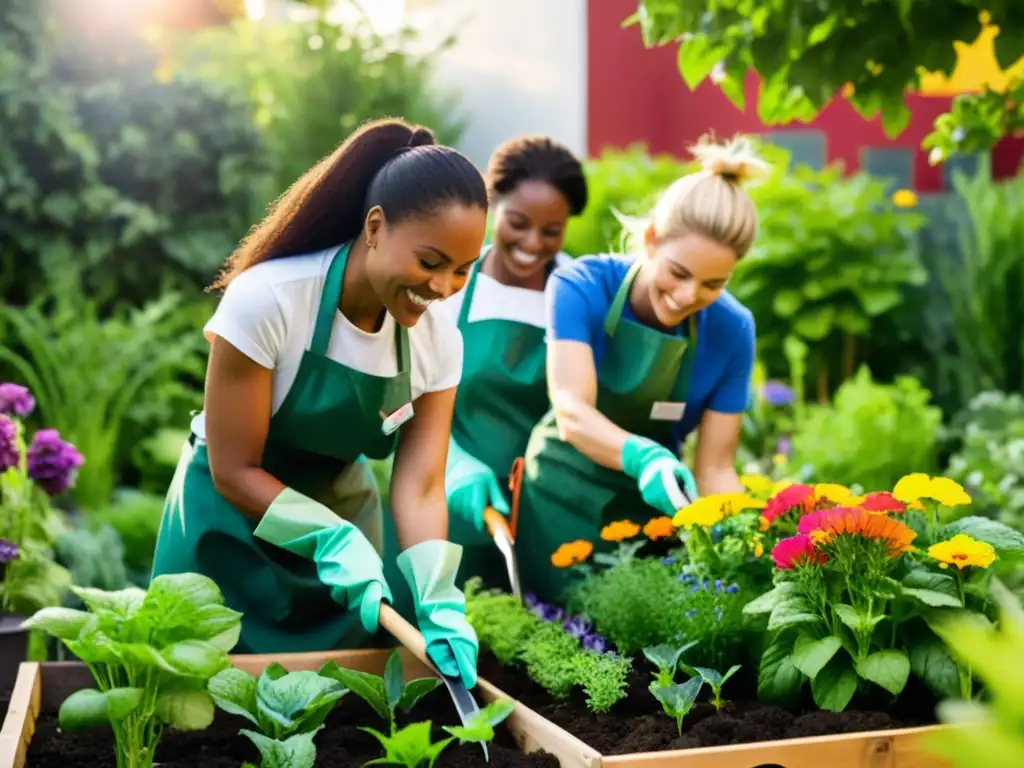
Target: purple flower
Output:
[(576, 626), (16, 400), (733, 589), (594, 642), (8, 551), (8, 443), (785, 447), (552, 613), (52, 462), (777, 394)]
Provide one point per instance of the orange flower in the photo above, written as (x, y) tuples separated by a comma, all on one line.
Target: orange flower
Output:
[(882, 502), (620, 530), (572, 553), (826, 524), (659, 528)]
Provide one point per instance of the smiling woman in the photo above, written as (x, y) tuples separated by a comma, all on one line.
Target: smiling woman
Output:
[(327, 348), (643, 349)]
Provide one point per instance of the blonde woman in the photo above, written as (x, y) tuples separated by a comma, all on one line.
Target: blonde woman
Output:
[(643, 348)]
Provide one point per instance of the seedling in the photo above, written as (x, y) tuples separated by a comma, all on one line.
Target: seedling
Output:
[(677, 699), (666, 659), (385, 694), (715, 680), (287, 707), (411, 746)]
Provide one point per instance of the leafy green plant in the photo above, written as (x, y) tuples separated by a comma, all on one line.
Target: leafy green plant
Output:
[(413, 747), (385, 695), (151, 654), (136, 518), (678, 699), (59, 336), (554, 657), (872, 434), (95, 558), (289, 709), (806, 57), (715, 680), (665, 658)]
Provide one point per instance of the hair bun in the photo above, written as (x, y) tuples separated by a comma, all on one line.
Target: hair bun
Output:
[(421, 137), (735, 161)]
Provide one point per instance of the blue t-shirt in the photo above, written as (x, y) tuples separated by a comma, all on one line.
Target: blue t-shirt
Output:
[(579, 296)]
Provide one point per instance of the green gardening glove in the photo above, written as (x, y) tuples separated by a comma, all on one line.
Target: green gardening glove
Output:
[(470, 486), (664, 481), (429, 567), (345, 559)]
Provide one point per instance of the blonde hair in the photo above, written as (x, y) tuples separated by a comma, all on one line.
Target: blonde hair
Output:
[(712, 201)]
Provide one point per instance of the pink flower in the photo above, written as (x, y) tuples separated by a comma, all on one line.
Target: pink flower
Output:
[(882, 501), (779, 505), (794, 551), (818, 519)]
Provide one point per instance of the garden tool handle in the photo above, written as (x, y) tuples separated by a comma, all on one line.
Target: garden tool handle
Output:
[(496, 522), (405, 633)]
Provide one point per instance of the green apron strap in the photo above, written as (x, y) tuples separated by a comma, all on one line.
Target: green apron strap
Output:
[(402, 345), (682, 388), (467, 298), (329, 299), (611, 320)]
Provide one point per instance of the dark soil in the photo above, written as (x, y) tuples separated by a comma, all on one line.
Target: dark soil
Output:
[(339, 745), (638, 724)]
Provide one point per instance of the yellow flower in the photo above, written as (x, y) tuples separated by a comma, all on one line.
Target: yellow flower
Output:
[(904, 198), (758, 547), (659, 528), (572, 553), (918, 485), (779, 459), (963, 551), (620, 530), (709, 510), (780, 486), (758, 484), (833, 493)]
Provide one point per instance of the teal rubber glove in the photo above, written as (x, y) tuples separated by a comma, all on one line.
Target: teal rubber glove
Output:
[(660, 476), (429, 567), (345, 559), (470, 486)]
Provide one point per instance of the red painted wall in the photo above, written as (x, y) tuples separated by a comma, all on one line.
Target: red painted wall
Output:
[(635, 94)]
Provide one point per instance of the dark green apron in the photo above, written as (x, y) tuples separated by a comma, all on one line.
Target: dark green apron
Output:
[(331, 417), (565, 495), (501, 397)]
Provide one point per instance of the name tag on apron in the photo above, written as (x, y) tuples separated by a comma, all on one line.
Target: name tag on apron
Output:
[(667, 411), (396, 419)]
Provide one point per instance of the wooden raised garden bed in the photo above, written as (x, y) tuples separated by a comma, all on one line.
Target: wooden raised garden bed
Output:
[(30, 735)]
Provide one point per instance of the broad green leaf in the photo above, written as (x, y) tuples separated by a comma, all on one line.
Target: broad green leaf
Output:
[(174, 601), (140, 655), (393, 680), (932, 598), (415, 690), (121, 603), (931, 661), (194, 658), (810, 655), (370, 688), (696, 60), (218, 625), (284, 705), (666, 656), (498, 711), (835, 684), (710, 676), (297, 751), (89, 708), (778, 681), (185, 710), (889, 669), (275, 670), (1008, 543), (408, 746), (792, 612), (766, 603), (678, 699), (921, 578), (62, 623), (94, 647), (234, 691), (858, 622)]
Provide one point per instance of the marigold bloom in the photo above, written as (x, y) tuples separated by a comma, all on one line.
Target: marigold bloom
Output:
[(882, 502), (918, 485), (572, 553), (963, 551), (904, 198), (758, 484), (796, 496), (659, 528), (620, 530), (824, 525), (791, 552), (708, 510), (831, 494)]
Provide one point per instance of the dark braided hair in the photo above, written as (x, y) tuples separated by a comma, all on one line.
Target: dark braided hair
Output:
[(387, 163), (538, 158)]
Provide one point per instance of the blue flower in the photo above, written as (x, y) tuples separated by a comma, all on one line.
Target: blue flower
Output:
[(668, 561), (552, 613), (576, 626), (594, 642), (718, 585), (777, 394), (732, 589)]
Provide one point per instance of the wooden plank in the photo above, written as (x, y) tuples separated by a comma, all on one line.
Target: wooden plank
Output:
[(878, 749), (20, 722)]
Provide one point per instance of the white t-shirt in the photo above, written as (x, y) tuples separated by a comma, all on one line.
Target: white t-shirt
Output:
[(268, 313), (496, 301)]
